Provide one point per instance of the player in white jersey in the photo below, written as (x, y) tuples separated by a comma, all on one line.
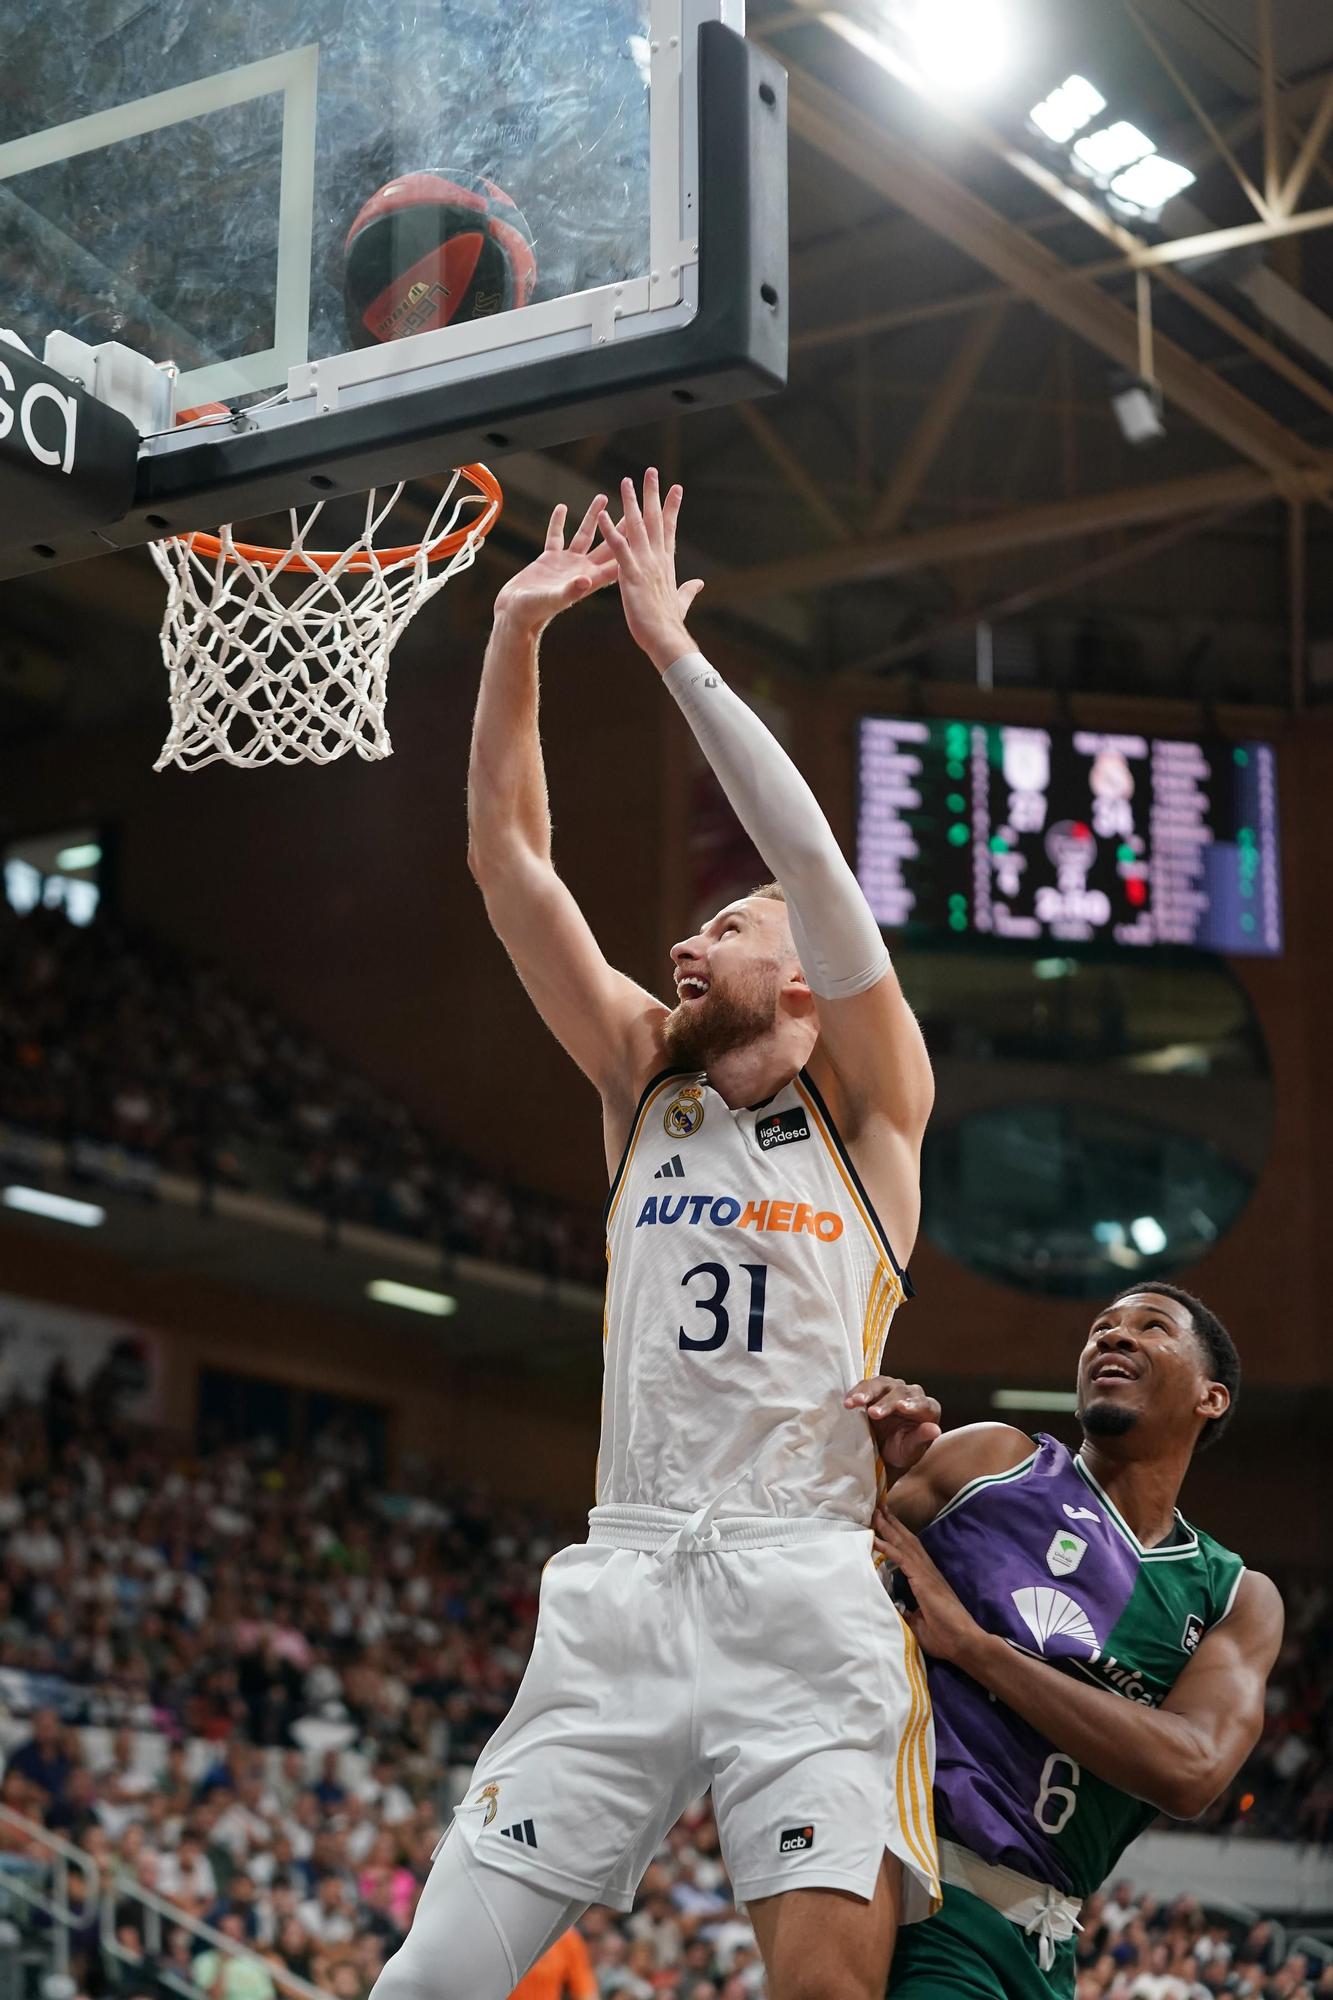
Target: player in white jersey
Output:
[(723, 1624)]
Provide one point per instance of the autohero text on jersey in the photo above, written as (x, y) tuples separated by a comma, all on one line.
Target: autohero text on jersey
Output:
[(793, 1218)]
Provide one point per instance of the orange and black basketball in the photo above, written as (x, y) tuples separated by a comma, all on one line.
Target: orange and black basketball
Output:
[(431, 249)]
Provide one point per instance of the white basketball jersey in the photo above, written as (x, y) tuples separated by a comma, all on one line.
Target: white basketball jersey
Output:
[(750, 1286)]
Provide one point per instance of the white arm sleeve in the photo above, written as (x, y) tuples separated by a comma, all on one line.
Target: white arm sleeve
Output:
[(837, 939)]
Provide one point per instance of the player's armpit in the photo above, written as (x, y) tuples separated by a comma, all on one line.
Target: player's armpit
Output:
[(873, 1055), (608, 1024), (953, 1461)]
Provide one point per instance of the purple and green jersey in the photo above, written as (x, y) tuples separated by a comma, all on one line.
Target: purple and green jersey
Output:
[(1040, 1556)]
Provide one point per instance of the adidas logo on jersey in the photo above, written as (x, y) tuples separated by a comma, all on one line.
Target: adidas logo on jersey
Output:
[(523, 1832), (674, 1170)]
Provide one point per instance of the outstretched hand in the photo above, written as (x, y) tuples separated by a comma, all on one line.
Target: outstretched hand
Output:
[(560, 576), (644, 550), (904, 1420)]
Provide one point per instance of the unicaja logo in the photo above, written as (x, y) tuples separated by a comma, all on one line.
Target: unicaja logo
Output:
[(42, 406)]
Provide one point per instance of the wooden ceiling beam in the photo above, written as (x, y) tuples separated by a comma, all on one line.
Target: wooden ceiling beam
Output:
[(904, 175), (1010, 529), (937, 419)]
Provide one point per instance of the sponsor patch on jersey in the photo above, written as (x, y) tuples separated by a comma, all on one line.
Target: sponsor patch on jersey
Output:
[(1066, 1552), (781, 1128), (1049, 1615), (685, 1113), (790, 1218), (796, 1840), (1192, 1633)]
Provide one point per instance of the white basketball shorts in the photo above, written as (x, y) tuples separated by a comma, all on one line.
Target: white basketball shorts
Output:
[(761, 1657)]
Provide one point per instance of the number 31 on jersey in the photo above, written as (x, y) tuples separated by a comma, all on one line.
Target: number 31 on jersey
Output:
[(711, 1302)]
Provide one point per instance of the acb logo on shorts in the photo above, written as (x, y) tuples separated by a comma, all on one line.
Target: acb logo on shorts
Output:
[(685, 1113), (796, 1840)]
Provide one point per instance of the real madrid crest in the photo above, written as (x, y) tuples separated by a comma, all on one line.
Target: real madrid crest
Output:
[(685, 1113)]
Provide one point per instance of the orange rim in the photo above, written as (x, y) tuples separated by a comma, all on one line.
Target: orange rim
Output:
[(480, 476)]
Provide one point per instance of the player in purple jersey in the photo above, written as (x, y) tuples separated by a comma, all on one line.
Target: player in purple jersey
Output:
[(1093, 1659)]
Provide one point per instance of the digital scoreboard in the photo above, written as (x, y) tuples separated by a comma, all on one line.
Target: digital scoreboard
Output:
[(1069, 836)]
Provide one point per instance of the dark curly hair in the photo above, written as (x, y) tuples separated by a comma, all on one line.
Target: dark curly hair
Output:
[(1219, 1349)]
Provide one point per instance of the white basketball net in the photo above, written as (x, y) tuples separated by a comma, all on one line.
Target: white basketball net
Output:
[(287, 662)]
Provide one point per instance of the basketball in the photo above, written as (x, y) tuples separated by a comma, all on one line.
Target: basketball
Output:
[(432, 249)]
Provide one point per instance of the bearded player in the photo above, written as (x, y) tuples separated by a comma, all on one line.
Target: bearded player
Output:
[(723, 1624), (1094, 1660)]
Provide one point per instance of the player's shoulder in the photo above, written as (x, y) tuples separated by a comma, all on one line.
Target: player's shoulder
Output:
[(1257, 1603), (959, 1458)]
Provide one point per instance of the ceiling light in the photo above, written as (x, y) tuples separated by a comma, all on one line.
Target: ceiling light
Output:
[(1149, 1234), (1067, 110), (1033, 1399), (1150, 184), (87, 855), (961, 45), (1113, 148), (56, 1207), (1139, 410), (388, 1292)]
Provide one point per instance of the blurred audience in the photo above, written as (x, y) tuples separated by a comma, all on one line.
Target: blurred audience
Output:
[(123, 1041)]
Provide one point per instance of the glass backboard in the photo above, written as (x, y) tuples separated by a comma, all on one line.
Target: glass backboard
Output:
[(183, 177)]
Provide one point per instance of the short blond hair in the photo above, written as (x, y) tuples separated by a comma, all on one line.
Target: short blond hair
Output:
[(768, 892)]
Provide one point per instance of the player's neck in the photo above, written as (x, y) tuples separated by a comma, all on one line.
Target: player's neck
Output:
[(1144, 1491), (758, 1071)]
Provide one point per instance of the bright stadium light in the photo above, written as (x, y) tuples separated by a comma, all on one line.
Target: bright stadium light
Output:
[(1111, 149), (1150, 184), (55, 1207), (1033, 1399), (1148, 1234), (414, 1298), (961, 45), (85, 856), (1067, 110)]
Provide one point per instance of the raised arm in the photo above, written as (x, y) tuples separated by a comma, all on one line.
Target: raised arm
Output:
[(608, 1024), (871, 1057), (1178, 1757)]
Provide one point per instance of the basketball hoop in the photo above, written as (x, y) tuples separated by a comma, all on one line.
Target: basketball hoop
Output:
[(281, 655)]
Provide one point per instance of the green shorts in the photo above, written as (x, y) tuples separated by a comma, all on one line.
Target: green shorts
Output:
[(970, 1952)]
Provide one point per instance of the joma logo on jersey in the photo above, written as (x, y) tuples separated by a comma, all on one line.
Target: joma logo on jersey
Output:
[(791, 1218)]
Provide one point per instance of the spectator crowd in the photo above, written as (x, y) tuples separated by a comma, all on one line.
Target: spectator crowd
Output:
[(122, 1041), (256, 1685)]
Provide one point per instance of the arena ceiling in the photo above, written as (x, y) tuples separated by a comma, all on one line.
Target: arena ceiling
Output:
[(944, 491)]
